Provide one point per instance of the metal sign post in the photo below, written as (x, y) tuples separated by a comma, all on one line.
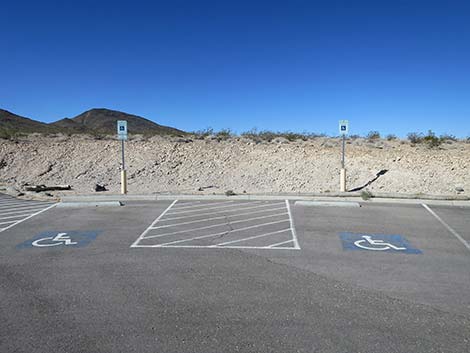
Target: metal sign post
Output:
[(122, 135), (343, 131)]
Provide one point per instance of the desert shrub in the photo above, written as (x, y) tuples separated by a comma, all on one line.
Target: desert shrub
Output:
[(366, 195), (467, 140), (267, 135), (354, 137), (201, 134), (224, 134), (415, 137), (373, 135), (7, 134), (432, 140), (391, 137), (448, 137)]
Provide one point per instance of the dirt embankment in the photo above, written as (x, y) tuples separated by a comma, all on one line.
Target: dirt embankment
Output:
[(164, 164)]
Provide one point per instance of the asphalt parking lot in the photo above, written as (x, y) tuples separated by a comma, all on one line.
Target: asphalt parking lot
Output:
[(235, 276)]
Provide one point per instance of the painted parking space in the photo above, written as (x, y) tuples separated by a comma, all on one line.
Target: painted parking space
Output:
[(223, 224), (456, 220), (15, 211), (433, 272), (139, 295)]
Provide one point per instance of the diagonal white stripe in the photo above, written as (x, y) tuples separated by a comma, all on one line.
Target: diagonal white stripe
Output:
[(199, 205), (281, 243), (154, 222), (449, 228), (221, 233), (224, 212), (30, 216), (214, 218), (213, 226), (253, 237), (210, 208), (28, 209)]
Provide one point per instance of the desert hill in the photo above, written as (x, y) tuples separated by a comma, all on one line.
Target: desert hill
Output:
[(93, 121), (104, 120), (15, 123)]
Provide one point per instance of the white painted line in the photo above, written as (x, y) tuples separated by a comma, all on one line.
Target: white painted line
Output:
[(19, 207), (224, 212), (216, 247), (214, 226), (281, 243), (199, 205), (29, 209), (253, 237), (210, 208), (328, 203), (24, 203), (216, 234), (294, 233), (214, 218), (16, 216), (31, 216), (4, 199), (8, 222), (449, 228), (153, 223), (188, 203)]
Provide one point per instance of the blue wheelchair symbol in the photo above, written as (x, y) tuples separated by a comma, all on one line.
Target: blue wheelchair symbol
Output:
[(60, 239), (377, 242)]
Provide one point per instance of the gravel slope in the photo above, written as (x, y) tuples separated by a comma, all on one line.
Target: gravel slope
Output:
[(164, 164)]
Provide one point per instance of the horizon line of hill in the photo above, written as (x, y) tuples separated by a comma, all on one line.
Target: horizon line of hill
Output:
[(102, 121)]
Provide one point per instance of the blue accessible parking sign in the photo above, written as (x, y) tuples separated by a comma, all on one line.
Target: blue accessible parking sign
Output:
[(60, 239), (377, 243)]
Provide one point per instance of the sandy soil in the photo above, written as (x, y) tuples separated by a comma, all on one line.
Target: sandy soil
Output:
[(162, 164)]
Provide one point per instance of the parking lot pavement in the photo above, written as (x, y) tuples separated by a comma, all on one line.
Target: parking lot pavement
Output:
[(435, 270), (71, 282), (223, 224), (455, 218), (14, 211)]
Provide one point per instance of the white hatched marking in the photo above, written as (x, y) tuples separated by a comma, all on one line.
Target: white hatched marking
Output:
[(22, 206), (448, 227), (281, 243), (16, 216), (209, 208), (253, 237), (224, 212), (177, 208), (29, 209), (8, 222), (201, 210), (214, 226), (30, 216), (294, 233), (24, 203), (221, 233), (153, 223), (217, 247), (214, 218)]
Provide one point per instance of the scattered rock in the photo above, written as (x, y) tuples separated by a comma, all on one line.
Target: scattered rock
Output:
[(40, 188), (229, 193), (12, 191), (99, 188), (281, 140), (459, 189)]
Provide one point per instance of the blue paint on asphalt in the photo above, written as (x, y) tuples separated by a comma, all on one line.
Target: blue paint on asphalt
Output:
[(377, 243), (60, 239)]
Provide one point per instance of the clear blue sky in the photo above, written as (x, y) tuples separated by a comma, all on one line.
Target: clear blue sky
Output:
[(391, 66)]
